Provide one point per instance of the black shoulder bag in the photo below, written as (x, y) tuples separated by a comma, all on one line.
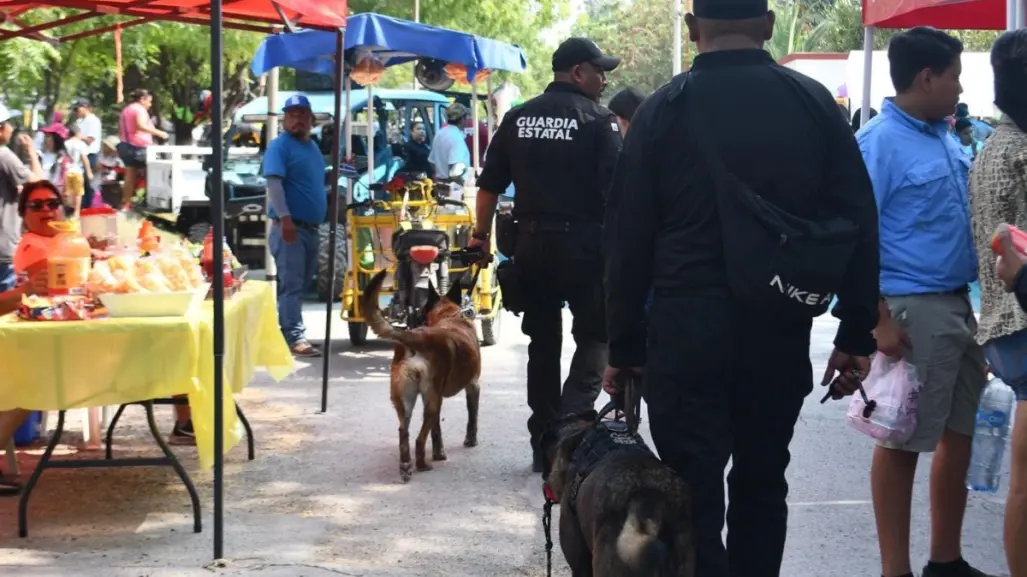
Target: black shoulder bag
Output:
[(775, 261)]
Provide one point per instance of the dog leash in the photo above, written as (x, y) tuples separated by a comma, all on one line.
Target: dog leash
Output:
[(547, 526)]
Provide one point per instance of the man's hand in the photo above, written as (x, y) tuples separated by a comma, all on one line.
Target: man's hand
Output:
[(162, 135), (891, 339), (610, 378), (485, 248), (26, 142), (1009, 261), (844, 373), (288, 229)]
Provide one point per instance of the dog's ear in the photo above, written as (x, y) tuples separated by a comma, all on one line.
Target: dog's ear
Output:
[(433, 299), (455, 294), (564, 453)]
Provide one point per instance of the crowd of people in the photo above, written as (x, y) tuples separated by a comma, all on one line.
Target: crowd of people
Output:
[(904, 212)]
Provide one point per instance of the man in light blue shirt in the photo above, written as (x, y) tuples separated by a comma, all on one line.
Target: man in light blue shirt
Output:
[(920, 174), (294, 168), (450, 146), (982, 130)]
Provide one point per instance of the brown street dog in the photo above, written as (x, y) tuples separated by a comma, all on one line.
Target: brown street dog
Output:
[(434, 361), (623, 513)]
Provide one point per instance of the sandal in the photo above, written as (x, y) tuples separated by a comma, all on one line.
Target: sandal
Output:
[(9, 487), (305, 350)]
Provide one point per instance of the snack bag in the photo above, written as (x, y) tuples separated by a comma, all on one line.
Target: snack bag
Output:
[(893, 390)]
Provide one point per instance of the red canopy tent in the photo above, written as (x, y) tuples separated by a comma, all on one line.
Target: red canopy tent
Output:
[(254, 15), (945, 14)]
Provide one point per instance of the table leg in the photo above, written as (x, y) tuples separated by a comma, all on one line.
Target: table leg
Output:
[(251, 451), (110, 431), (168, 460), (197, 523), (26, 492)]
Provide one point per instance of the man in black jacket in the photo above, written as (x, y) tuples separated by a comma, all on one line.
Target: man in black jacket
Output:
[(724, 379), (559, 149)]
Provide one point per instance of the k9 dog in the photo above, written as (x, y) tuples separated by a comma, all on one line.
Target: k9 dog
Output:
[(433, 361), (623, 513)]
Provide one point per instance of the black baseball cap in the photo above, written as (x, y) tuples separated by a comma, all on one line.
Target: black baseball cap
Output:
[(729, 9), (626, 102), (574, 51), (78, 103)]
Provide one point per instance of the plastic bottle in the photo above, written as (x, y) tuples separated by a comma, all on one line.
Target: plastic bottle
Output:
[(994, 420), (69, 263)]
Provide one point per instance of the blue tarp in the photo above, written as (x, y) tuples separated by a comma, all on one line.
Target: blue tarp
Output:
[(391, 40)]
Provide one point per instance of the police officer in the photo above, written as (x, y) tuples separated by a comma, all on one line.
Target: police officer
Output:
[(559, 150), (725, 378)]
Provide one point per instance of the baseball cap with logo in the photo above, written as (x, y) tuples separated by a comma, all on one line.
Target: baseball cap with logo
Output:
[(574, 51), (730, 9), (297, 101)]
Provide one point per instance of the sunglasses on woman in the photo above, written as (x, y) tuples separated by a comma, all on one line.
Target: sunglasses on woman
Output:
[(38, 205)]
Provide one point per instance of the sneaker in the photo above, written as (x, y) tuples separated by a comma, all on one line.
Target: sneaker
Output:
[(958, 568), (304, 349), (183, 434)]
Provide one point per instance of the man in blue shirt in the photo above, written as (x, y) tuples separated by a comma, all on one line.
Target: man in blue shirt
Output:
[(449, 147), (982, 130), (928, 260), (294, 168)]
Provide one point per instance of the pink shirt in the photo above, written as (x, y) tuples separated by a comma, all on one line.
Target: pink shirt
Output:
[(130, 132)]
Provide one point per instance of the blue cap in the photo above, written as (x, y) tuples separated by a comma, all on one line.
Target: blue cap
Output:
[(296, 101)]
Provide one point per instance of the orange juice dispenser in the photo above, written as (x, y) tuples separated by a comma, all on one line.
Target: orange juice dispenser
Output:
[(70, 260)]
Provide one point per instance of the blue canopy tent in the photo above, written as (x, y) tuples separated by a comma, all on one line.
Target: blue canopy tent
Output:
[(391, 41)]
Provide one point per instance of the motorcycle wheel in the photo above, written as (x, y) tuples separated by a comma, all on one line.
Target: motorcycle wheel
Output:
[(491, 328)]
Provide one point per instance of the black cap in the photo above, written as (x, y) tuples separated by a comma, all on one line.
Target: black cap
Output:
[(79, 102), (574, 51), (729, 9), (626, 102)]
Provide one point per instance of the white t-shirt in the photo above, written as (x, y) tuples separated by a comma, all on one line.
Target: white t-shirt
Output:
[(90, 127), (76, 149)]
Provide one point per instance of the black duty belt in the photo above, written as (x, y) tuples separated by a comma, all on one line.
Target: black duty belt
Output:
[(300, 224), (961, 291), (533, 226)]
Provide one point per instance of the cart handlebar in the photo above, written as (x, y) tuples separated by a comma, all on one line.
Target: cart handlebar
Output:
[(469, 255)]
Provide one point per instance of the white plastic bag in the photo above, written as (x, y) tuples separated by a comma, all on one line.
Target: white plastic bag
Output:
[(893, 391)]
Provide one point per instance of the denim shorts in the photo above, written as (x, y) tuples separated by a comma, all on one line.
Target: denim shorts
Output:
[(1007, 356)]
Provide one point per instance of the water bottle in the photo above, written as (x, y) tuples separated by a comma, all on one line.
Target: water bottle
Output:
[(994, 419)]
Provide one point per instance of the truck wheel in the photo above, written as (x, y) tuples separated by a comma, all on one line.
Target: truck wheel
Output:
[(198, 231), (358, 334), (324, 289)]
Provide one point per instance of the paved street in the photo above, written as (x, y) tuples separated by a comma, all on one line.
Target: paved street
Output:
[(324, 495)]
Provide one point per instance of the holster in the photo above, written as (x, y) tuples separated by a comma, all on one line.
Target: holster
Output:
[(512, 284), (506, 234)]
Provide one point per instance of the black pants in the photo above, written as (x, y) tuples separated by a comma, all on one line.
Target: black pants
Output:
[(558, 268), (724, 382), (87, 198)]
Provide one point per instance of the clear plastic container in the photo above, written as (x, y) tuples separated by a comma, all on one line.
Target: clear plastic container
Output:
[(70, 260)]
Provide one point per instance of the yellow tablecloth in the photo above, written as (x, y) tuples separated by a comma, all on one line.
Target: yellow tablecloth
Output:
[(51, 366)]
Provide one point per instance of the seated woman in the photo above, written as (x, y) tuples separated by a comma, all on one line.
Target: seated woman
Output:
[(416, 151), (39, 204)]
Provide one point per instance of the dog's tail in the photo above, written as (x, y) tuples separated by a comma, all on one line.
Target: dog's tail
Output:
[(377, 322), (639, 546)]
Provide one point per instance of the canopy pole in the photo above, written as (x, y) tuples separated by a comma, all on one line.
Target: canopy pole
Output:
[(348, 143), (474, 122), (370, 141), (270, 267), (1012, 7), (333, 210), (490, 110), (676, 59), (868, 61), (218, 209)]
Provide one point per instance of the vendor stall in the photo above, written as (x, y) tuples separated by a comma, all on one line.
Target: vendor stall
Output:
[(374, 42)]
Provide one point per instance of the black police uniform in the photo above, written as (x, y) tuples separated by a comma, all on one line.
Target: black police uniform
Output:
[(723, 379), (559, 150)]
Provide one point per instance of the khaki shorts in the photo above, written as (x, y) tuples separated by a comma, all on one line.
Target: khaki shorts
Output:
[(941, 330), (74, 184)]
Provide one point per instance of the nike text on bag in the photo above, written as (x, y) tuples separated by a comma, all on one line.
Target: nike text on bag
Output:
[(774, 260)]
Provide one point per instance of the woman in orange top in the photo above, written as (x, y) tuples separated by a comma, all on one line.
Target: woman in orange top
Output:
[(39, 204)]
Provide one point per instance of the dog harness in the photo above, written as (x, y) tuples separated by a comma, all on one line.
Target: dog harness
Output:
[(605, 438)]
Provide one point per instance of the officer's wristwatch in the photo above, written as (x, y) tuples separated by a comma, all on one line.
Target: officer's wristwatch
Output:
[(482, 236)]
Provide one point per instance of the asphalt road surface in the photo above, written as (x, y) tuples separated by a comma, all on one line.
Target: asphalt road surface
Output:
[(324, 496)]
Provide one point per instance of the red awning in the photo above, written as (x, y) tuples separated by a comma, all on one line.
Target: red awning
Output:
[(253, 15), (944, 14)]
